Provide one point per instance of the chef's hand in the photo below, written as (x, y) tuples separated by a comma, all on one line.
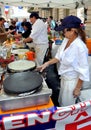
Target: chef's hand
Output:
[(76, 92), (10, 31), (42, 67), (26, 40), (19, 42)]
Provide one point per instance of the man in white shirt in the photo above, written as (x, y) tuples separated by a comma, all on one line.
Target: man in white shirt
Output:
[(38, 36)]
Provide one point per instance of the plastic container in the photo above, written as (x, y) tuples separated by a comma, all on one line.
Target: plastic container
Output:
[(30, 55), (58, 41)]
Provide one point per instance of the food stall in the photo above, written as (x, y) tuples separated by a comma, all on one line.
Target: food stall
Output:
[(25, 110), (22, 89)]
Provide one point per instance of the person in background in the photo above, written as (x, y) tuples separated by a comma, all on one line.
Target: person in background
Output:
[(13, 27), (60, 21), (38, 36), (52, 24), (21, 29), (27, 27), (18, 24), (73, 58), (47, 23), (6, 25), (3, 33)]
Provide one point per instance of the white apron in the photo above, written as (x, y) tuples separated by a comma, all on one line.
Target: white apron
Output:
[(66, 97), (40, 50)]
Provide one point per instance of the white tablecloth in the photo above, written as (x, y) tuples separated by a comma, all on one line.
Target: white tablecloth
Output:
[(54, 49)]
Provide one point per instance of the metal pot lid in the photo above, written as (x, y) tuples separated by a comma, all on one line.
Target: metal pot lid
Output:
[(21, 65), (23, 82)]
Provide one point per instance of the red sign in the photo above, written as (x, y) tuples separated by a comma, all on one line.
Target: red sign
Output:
[(80, 125)]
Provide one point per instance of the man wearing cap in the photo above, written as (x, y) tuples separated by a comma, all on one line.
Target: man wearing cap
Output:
[(39, 37), (72, 56)]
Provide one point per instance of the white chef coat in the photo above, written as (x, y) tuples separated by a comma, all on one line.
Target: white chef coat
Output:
[(40, 40), (39, 32), (73, 66), (6, 25), (73, 60)]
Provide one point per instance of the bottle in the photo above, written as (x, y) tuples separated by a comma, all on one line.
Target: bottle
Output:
[(8, 41), (12, 40), (8, 52)]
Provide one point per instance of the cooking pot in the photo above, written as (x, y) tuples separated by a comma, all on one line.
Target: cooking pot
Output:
[(21, 65), (24, 82)]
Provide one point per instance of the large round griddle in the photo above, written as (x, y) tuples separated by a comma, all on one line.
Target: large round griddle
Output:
[(23, 82), (21, 65)]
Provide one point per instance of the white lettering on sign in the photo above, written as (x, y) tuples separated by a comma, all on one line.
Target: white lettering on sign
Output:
[(42, 118), (13, 122)]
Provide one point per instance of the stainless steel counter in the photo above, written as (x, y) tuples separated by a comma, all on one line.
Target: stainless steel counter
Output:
[(8, 102)]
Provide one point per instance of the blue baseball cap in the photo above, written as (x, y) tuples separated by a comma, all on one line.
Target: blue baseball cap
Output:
[(69, 22)]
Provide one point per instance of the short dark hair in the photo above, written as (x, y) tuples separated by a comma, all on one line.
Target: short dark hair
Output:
[(28, 25), (22, 24), (13, 22), (51, 17), (34, 14), (1, 18)]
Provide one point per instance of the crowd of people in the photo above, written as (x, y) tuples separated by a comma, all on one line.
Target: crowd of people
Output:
[(72, 55)]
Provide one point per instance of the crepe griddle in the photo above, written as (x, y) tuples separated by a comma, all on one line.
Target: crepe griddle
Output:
[(23, 82), (21, 66)]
